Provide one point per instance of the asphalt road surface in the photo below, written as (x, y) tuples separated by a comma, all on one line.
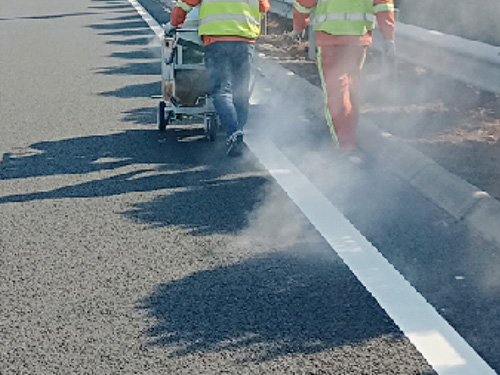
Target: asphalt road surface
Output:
[(124, 251)]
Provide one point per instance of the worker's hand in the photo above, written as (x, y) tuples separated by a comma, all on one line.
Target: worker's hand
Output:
[(169, 29), (296, 36)]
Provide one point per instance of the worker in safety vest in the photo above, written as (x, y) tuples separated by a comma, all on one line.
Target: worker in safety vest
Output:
[(343, 31), (229, 30)]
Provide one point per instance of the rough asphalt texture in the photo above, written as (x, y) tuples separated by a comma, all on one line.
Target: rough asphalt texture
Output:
[(127, 253)]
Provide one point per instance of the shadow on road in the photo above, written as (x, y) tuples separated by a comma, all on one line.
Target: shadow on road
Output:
[(270, 306), (111, 7), (138, 160), (143, 68), (145, 90), (212, 206), (120, 25), (54, 16), (131, 31), (202, 179)]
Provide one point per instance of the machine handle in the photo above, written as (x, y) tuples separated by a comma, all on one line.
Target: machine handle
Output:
[(181, 30)]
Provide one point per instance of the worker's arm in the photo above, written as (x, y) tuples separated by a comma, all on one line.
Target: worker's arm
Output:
[(384, 10), (181, 9), (264, 6), (301, 11)]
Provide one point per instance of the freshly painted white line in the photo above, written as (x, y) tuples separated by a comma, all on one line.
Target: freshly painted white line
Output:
[(445, 350), (155, 26)]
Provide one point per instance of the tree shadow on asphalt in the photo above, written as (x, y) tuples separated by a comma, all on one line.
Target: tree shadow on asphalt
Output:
[(134, 17), (267, 307), (143, 68), (141, 116), (194, 169), (133, 42), (54, 16), (212, 206), (202, 179), (127, 25), (139, 54), (149, 51), (132, 32), (111, 7)]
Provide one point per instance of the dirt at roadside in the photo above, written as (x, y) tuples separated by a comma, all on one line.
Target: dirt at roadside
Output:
[(456, 125)]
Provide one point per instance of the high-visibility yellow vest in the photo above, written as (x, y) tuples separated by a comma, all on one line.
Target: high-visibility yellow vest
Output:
[(344, 17), (228, 17)]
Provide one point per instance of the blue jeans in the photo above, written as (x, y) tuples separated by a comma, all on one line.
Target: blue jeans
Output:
[(228, 67)]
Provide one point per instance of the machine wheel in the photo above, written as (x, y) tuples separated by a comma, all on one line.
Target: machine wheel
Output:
[(211, 127), (160, 116), (163, 118)]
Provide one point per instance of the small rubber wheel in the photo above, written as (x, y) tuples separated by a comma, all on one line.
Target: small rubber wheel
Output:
[(160, 116), (211, 126)]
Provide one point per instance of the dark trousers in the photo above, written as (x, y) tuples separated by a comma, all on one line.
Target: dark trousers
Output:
[(228, 67)]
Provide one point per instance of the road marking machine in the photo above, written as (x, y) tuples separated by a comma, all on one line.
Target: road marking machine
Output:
[(185, 90)]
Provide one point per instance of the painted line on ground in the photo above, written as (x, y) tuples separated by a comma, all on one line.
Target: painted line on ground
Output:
[(155, 26), (445, 350)]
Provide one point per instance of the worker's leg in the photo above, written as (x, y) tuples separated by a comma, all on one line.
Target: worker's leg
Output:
[(218, 61), (340, 71), (242, 66)]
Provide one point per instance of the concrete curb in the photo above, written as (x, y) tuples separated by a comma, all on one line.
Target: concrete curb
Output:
[(463, 201)]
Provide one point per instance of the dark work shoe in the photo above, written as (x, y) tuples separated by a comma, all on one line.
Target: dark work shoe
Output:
[(235, 144)]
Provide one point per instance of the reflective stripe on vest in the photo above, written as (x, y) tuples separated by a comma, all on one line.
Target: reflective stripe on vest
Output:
[(185, 7), (383, 8), (302, 9), (230, 18), (344, 17)]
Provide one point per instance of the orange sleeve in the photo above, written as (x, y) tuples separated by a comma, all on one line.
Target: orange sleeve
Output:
[(179, 15), (386, 23), (301, 20), (264, 6), (386, 20), (307, 3)]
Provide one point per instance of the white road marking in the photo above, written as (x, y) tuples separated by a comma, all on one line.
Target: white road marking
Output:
[(445, 350), (155, 26)]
